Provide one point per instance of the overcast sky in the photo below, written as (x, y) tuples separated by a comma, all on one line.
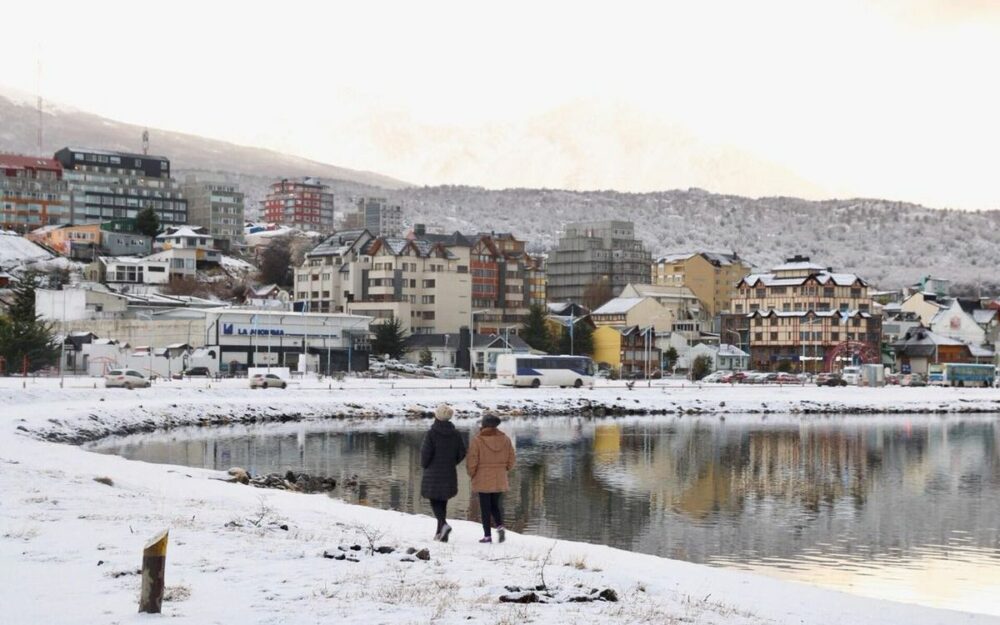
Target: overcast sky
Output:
[(890, 98)]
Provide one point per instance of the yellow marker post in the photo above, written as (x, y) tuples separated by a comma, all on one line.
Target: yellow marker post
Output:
[(154, 564)]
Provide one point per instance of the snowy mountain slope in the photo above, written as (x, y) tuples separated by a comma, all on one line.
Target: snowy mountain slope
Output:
[(64, 126), (888, 243)]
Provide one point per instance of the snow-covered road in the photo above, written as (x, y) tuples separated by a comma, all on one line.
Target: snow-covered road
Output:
[(69, 546)]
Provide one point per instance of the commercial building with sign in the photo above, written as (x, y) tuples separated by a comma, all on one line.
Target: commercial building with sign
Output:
[(306, 342)]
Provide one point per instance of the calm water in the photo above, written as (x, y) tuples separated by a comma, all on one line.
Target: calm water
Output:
[(895, 507)]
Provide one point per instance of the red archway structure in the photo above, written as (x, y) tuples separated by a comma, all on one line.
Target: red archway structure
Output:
[(864, 353)]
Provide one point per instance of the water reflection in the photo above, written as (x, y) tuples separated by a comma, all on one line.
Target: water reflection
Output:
[(901, 508)]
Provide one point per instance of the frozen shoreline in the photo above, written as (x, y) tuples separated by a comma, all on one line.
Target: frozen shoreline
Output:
[(57, 523)]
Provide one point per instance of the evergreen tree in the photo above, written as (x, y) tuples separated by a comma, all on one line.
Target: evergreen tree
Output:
[(670, 357), (390, 339), (701, 367), (147, 222), (582, 342), (426, 358), (535, 331), (276, 262), (23, 335)]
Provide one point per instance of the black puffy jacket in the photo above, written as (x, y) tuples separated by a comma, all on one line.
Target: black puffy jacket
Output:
[(443, 448)]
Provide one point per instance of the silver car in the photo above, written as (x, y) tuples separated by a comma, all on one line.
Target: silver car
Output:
[(267, 380), (125, 378)]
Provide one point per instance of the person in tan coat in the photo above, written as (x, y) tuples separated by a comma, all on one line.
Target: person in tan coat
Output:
[(491, 456)]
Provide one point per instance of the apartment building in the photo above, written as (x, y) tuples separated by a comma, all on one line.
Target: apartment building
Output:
[(376, 215), (105, 186), (505, 282), (804, 315), (595, 253), (217, 206), (422, 283), (306, 204), (32, 193), (709, 275)]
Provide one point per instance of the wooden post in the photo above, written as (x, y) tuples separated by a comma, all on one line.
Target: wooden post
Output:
[(154, 563)]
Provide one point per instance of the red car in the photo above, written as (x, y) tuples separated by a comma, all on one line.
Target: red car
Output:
[(733, 378), (787, 378)]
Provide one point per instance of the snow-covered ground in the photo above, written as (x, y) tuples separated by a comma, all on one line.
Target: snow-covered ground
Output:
[(70, 546)]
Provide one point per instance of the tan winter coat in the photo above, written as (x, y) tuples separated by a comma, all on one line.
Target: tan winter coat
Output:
[(490, 457)]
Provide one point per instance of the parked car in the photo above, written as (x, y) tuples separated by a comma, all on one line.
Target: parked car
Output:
[(267, 380), (754, 377), (787, 378), (851, 375), (376, 366), (198, 372), (733, 377), (407, 367), (450, 372), (830, 379), (912, 379), (714, 377), (125, 378), (428, 370)]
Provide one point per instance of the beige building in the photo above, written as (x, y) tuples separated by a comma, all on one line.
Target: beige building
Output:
[(710, 276), (425, 285), (806, 316), (634, 311)]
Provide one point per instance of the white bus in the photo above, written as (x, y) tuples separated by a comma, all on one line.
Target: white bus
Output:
[(535, 371)]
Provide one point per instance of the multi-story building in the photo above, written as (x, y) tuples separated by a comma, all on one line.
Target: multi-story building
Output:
[(87, 241), (805, 315), (376, 215), (216, 205), (505, 282), (600, 254), (423, 284), (32, 193), (105, 185), (305, 204), (709, 275)]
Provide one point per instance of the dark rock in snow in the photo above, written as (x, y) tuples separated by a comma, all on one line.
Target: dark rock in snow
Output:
[(520, 597), (423, 554)]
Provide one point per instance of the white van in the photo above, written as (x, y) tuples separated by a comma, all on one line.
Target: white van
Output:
[(851, 375)]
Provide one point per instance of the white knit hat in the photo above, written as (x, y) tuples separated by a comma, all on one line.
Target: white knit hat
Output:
[(444, 412)]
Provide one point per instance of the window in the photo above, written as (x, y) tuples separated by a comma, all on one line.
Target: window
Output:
[(774, 336), (786, 307), (828, 291), (758, 336), (428, 284)]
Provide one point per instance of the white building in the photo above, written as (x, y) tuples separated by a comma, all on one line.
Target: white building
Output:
[(133, 270), (954, 322)]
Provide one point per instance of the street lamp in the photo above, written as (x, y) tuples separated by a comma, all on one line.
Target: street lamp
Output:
[(472, 340), (739, 342), (807, 322)]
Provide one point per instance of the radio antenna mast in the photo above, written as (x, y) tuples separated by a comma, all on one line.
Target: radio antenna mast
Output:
[(38, 90)]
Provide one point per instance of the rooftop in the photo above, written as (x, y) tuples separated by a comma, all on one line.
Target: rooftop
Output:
[(618, 306), (18, 161), (77, 149)]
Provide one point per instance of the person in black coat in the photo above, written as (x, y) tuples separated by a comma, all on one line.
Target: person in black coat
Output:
[(443, 448)]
